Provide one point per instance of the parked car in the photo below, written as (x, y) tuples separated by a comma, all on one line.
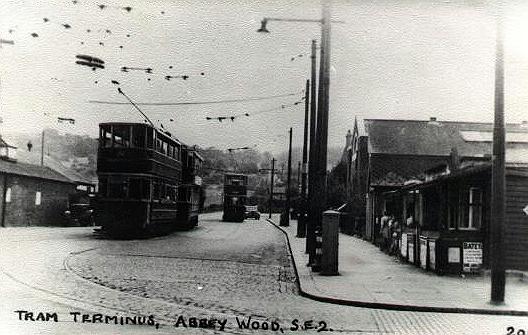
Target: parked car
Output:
[(80, 211), (252, 212)]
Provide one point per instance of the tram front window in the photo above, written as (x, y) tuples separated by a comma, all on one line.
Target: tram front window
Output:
[(117, 187)]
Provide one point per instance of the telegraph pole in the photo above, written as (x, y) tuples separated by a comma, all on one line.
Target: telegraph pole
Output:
[(301, 221), (299, 176), (286, 213), (271, 186), (310, 224), (322, 122), (42, 149), (498, 188), (305, 141)]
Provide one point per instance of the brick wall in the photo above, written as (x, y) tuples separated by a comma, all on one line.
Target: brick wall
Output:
[(22, 211)]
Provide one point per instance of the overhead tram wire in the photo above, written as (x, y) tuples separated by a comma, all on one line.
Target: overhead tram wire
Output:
[(247, 114), (187, 103)]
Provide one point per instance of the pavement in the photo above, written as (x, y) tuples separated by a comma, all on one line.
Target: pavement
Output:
[(370, 278)]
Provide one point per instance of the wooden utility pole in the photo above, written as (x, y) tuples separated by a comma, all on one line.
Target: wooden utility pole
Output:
[(305, 140), (498, 189), (271, 185), (310, 224), (322, 116), (286, 214), (42, 149), (301, 219), (299, 176)]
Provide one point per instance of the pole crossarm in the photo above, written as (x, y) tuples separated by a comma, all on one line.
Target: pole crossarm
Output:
[(299, 20)]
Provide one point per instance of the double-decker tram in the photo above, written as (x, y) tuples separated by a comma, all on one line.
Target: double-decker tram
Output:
[(140, 180), (235, 196)]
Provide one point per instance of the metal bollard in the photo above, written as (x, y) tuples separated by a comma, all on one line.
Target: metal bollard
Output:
[(330, 243), (301, 225)]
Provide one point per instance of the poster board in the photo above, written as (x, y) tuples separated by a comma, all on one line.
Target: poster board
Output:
[(403, 245), (471, 256), (411, 251), (423, 252), (453, 255), (432, 255)]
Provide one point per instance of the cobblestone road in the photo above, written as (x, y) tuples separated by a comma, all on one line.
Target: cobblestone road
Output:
[(220, 270)]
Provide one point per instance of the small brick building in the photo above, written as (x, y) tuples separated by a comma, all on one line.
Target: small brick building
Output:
[(31, 195)]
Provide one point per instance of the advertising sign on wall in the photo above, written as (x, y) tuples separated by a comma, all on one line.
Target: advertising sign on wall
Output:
[(453, 255), (423, 252), (432, 255), (411, 251), (403, 248), (471, 256)]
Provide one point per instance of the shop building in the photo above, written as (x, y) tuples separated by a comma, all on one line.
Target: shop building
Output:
[(444, 221), (382, 156)]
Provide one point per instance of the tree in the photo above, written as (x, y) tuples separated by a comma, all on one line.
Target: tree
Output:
[(336, 186)]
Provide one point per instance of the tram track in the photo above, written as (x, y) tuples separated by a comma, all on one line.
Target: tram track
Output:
[(186, 307)]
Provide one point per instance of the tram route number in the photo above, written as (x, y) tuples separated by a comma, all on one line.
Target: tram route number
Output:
[(516, 331)]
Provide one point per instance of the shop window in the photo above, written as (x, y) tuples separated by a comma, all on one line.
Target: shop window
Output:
[(8, 195), (471, 209), (38, 198), (475, 208)]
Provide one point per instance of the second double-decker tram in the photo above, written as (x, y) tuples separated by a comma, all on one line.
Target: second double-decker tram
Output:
[(235, 196)]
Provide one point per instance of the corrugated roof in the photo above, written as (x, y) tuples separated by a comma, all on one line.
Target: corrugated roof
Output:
[(31, 170), (436, 138), (386, 170)]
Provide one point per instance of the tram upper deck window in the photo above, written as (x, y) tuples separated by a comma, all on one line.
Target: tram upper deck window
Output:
[(105, 136), (177, 152), (150, 138), (121, 135), (138, 136), (236, 180), (164, 148)]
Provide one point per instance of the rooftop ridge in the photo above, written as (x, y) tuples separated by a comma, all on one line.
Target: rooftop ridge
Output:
[(440, 121)]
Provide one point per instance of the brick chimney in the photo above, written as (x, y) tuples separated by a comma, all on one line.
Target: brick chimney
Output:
[(348, 139)]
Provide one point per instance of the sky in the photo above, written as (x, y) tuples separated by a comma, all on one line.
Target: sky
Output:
[(389, 59)]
